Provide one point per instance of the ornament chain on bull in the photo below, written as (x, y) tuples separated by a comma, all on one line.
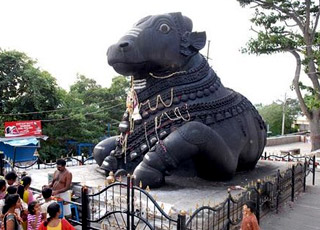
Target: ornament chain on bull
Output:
[(126, 126), (133, 114)]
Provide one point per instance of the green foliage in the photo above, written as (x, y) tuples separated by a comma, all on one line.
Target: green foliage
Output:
[(272, 115), (25, 88), (90, 108), (82, 114), (288, 26), (273, 34), (310, 96)]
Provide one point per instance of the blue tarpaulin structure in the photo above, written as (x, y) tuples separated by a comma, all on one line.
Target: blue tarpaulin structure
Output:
[(20, 149)]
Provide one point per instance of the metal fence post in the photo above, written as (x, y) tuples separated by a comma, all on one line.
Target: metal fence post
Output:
[(128, 201), (304, 174), (38, 162), (82, 159), (292, 183), (278, 190), (258, 199), (181, 221), (228, 209), (85, 208), (265, 155), (313, 169), (14, 156)]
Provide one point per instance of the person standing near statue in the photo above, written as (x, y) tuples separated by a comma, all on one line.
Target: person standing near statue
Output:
[(61, 183), (249, 219)]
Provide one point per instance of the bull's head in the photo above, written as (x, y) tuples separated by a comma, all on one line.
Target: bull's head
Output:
[(158, 44)]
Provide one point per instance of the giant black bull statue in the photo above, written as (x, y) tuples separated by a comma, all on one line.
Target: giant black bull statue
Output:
[(186, 112)]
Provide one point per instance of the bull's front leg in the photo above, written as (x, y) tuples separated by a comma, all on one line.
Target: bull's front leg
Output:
[(187, 141), (103, 149)]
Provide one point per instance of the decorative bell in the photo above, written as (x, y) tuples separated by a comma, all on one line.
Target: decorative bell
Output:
[(136, 115), (124, 126)]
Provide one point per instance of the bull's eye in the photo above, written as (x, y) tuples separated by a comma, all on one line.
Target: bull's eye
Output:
[(164, 28)]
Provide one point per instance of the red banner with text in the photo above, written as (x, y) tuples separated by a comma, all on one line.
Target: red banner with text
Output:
[(22, 128)]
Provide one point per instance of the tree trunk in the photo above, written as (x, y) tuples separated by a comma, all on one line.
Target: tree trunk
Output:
[(314, 123)]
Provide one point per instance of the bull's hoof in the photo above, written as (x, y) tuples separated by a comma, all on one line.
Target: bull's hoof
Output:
[(121, 173), (148, 176), (109, 164)]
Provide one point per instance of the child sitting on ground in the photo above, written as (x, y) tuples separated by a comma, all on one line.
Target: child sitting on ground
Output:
[(46, 194), (34, 216)]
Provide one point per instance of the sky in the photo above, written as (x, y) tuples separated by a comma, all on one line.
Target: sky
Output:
[(70, 37)]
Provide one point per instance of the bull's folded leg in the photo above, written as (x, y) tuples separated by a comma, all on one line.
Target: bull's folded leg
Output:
[(152, 169), (103, 149), (187, 141)]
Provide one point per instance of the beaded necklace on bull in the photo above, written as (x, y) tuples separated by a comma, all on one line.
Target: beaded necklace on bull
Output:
[(133, 114)]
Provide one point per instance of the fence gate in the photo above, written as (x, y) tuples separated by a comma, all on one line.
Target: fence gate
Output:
[(123, 206)]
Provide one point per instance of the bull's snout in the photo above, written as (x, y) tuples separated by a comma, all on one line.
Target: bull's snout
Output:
[(118, 48), (124, 56)]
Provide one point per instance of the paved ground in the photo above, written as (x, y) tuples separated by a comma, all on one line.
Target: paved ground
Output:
[(304, 213), (305, 148)]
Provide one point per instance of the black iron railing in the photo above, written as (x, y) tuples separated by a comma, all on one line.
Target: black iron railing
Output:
[(310, 159), (38, 163)]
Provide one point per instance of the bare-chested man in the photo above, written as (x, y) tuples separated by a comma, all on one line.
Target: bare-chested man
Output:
[(61, 183)]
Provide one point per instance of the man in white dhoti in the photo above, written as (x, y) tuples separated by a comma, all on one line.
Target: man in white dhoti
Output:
[(61, 183)]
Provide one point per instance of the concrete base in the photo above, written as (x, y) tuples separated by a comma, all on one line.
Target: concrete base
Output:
[(184, 193), (179, 193)]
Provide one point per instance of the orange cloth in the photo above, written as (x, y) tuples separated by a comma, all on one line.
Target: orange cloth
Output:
[(250, 223)]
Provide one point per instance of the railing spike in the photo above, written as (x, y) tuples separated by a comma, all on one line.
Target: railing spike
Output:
[(183, 213)]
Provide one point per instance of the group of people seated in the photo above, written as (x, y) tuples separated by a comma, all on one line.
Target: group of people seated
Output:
[(20, 209)]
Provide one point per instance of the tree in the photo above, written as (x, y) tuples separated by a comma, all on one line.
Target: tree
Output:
[(272, 115), (292, 26), (82, 114), (85, 113), (25, 89)]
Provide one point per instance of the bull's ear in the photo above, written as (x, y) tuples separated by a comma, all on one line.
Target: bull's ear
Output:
[(197, 40), (192, 42)]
